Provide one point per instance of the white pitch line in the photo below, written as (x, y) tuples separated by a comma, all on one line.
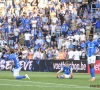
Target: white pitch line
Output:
[(25, 85), (30, 85), (34, 82), (46, 86), (57, 85)]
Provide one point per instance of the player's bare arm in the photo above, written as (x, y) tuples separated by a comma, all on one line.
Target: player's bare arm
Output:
[(98, 51), (12, 66), (58, 73)]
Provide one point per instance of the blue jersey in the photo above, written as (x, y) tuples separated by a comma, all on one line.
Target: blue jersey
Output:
[(15, 59), (98, 40), (67, 70), (63, 27), (91, 47)]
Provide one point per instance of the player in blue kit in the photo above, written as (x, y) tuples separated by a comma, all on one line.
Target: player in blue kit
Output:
[(92, 47), (68, 72), (15, 68)]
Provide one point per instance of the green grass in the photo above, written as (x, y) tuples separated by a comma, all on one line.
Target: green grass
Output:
[(46, 81)]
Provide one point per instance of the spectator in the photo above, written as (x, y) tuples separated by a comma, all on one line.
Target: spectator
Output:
[(77, 46), (21, 39), (44, 57), (16, 35), (82, 37), (30, 55), (83, 55), (62, 55), (53, 28), (11, 39), (53, 37), (77, 55), (64, 29), (95, 37), (19, 54), (48, 39), (27, 38), (47, 27), (58, 30), (24, 53), (70, 54), (98, 26), (0, 53), (37, 55), (60, 39), (50, 54), (76, 37)]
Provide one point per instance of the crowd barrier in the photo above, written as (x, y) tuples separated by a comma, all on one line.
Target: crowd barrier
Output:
[(79, 66)]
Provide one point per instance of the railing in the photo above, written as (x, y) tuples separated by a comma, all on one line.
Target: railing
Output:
[(95, 5)]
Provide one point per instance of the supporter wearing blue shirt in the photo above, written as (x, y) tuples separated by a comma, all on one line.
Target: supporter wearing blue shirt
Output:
[(98, 26), (50, 55), (21, 28), (16, 67), (40, 33), (91, 51), (71, 46), (8, 29), (63, 1), (75, 31), (83, 45), (27, 20), (23, 21), (63, 28), (27, 27), (37, 46), (40, 23), (1, 19), (68, 73), (98, 40), (3, 29), (69, 32)]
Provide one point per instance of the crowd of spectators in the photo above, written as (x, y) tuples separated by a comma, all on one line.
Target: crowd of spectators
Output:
[(48, 30)]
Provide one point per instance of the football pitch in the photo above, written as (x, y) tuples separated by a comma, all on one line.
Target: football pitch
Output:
[(47, 81)]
